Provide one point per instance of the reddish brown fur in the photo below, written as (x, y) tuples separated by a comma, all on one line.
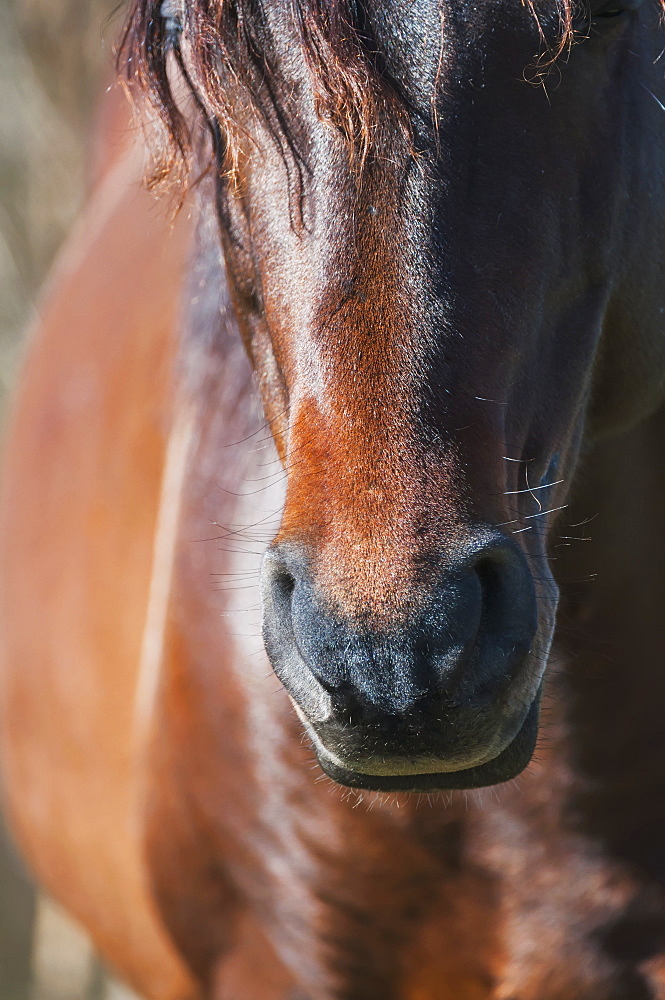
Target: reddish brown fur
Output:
[(191, 830), (373, 486), (118, 348), (516, 912)]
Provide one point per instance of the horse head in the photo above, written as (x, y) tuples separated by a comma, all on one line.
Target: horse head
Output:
[(428, 220)]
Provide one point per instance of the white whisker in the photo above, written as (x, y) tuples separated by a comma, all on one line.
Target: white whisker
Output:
[(531, 489), (542, 513), (658, 102)]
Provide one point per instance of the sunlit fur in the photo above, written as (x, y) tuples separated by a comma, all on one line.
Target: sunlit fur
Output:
[(451, 352)]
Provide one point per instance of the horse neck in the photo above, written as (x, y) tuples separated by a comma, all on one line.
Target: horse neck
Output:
[(613, 594)]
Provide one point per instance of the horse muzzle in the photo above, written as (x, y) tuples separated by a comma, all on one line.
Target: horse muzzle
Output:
[(446, 696)]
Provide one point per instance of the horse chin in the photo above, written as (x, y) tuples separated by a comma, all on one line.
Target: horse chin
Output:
[(411, 776)]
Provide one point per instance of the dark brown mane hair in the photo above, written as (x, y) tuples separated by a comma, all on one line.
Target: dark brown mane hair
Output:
[(230, 39)]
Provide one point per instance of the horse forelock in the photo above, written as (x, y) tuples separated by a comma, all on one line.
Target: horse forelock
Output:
[(230, 39)]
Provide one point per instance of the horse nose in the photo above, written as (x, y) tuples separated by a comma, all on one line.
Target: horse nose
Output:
[(443, 664)]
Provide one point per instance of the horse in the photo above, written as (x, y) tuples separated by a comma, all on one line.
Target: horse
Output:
[(258, 669)]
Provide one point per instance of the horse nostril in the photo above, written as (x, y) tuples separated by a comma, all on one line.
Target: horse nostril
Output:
[(284, 582), (490, 583), (497, 598), (507, 620), (279, 585)]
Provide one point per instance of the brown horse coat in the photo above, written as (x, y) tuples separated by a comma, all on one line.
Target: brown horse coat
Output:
[(156, 772)]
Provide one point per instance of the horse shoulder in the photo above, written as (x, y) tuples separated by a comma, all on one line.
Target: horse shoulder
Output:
[(77, 538)]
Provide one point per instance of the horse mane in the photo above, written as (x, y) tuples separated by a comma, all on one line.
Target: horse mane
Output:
[(230, 39)]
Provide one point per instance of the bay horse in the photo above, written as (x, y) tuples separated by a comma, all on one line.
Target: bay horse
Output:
[(431, 233)]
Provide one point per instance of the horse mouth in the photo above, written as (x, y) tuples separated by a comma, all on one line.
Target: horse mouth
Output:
[(412, 776)]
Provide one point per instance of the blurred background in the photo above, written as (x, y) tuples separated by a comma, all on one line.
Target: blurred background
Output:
[(56, 58)]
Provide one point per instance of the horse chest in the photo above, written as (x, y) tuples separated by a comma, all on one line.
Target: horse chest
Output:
[(487, 896), (507, 894)]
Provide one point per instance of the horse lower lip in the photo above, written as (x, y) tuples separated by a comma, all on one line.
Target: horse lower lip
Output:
[(408, 766), (505, 766), (399, 764)]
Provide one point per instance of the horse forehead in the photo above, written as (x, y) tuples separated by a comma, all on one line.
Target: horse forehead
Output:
[(418, 21)]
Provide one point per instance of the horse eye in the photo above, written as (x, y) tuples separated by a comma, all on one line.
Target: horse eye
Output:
[(615, 8)]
